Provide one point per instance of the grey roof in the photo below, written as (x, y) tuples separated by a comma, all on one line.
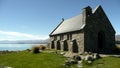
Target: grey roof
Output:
[(72, 24)]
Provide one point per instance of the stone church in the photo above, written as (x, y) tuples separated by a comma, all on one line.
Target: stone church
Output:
[(90, 31)]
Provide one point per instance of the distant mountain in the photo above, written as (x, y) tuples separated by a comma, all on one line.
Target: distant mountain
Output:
[(46, 41), (117, 37)]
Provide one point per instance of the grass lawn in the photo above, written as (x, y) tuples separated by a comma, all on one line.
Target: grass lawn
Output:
[(29, 60), (106, 62), (26, 59)]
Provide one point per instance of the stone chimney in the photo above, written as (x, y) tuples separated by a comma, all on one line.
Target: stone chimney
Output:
[(87, 11)]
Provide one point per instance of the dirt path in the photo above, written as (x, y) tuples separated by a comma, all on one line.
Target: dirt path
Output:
[(104, 55)]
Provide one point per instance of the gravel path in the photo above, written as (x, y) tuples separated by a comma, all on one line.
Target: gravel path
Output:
[(104, 55)]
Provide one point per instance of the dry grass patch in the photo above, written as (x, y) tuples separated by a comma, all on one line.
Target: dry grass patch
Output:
[(35, 49), (118, 46)]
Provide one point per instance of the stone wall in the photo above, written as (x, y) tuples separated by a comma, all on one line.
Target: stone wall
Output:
[(78, 37)]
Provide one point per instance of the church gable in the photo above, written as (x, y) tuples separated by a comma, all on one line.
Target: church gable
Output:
[(99, 34), (99, 15)]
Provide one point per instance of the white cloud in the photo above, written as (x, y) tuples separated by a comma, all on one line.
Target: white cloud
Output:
[(10, 35)]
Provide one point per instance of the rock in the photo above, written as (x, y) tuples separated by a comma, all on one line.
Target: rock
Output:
[(74, 61), (86, 53), (77, 57), (67, 64), (79, 62), (89, 62), (89, 58), (5, 67), (62, 53), (90, 53), (96, 56), (79, 65)]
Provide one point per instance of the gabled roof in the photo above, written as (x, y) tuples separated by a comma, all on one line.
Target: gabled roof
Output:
[(72, 24)]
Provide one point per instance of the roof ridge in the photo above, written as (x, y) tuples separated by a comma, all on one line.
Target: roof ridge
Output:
[(96, 8)]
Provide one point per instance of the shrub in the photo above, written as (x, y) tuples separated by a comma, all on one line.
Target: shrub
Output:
[(116, 50), (28, 50), (42, 47), (35, 49)]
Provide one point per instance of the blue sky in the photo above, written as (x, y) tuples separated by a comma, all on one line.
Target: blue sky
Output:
[(35, 19)]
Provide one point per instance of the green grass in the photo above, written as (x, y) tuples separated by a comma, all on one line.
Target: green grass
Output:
[(29, 60), (106, 62), (26, 59)]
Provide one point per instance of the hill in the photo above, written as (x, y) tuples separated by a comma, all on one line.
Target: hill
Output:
[(117, 37)]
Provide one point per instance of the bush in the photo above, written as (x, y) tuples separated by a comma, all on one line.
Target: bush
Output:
[(28, 50), (35, 49), (116, 50), (42, 47)]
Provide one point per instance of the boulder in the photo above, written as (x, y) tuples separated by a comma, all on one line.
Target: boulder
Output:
[(80, 65), (89, 58), (96, 56), (89, 62), (77, 57), (62, 53), (86, 53)]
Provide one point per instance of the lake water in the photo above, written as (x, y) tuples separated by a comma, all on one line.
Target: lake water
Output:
[(16, 47)]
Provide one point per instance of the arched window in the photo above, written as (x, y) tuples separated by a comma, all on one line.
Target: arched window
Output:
[(75, 46), (58, 45), (52, 45), (65, 46)]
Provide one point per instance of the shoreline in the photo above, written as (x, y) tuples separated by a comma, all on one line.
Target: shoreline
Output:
[(17, 47)]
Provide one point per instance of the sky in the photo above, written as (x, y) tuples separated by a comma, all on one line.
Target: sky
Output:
[(36, 19)]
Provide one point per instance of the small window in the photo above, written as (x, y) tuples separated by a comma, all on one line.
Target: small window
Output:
[(70, 36), (61, 37), (67, 36), (55, 37)]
